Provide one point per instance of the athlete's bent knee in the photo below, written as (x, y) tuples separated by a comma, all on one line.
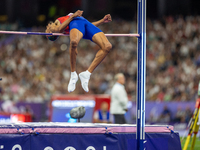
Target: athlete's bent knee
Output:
[(74, 43), (108, 47)]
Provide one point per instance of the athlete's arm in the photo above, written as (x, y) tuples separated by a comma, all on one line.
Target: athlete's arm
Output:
[(62, 27), (106, 18)]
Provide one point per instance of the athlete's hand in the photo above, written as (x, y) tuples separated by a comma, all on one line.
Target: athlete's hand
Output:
[(107, 18), (78, 13)]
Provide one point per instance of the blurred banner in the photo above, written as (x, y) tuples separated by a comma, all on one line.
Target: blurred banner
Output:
[(57, 110), (23, 111), (62, 104), (8, 118)]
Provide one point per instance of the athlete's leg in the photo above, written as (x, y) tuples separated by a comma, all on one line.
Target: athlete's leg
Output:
[(75, 37), (105, 46)]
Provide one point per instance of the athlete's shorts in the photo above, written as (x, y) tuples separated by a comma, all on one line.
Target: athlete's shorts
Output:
[(88, 29)]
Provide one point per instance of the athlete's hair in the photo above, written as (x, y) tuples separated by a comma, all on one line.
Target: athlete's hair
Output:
[(52, 38)]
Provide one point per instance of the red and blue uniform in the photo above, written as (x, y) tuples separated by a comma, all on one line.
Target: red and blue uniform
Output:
[(62, 19), (83, 25)]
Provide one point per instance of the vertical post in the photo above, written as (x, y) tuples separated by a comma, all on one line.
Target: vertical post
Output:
[(141, 74)]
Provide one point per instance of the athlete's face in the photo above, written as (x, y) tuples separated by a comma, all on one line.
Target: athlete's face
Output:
[(52, 26)]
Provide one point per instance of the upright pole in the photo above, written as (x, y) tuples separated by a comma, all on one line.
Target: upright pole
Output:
[(141, 74)]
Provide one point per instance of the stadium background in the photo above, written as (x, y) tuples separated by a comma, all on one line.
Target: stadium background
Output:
[(34, 69)]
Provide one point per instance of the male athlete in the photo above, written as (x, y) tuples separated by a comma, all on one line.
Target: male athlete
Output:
[(78, 28)]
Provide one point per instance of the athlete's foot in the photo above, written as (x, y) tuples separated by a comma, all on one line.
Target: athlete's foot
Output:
[(85, 77), (72, 82)]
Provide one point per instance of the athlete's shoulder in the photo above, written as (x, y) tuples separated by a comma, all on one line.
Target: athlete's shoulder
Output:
[(63, 18), (67, 16), (70, 14)]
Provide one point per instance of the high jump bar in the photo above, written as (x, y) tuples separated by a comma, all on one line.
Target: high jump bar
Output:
[(62, 34)]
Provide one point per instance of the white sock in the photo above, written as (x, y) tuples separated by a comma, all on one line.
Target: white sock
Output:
[(72, 82), (85, 77)]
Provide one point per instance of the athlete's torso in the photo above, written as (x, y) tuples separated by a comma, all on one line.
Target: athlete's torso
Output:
[(63, 19)]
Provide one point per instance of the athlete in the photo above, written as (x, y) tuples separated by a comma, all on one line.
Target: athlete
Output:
[(78, 27)]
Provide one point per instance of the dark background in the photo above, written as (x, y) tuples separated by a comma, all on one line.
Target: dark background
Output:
[(38, 12)]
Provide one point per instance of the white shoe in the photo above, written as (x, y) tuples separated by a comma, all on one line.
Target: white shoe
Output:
[(72, 82), (85, 77)]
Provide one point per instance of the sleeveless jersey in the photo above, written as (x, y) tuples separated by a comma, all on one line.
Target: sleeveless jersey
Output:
[(63, 19)]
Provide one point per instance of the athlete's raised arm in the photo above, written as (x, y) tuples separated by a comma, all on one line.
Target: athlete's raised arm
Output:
[(106, 18)]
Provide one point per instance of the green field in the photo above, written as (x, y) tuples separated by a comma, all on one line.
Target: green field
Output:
[(197, 144)]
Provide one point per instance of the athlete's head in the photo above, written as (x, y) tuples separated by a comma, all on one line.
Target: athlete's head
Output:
[(49, 28), (52, 37)]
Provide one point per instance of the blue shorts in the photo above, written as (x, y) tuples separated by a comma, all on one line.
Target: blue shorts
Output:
[(84, 26)]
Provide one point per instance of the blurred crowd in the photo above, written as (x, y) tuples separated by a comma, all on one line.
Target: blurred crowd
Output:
[(168, 115), (33, 68)]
